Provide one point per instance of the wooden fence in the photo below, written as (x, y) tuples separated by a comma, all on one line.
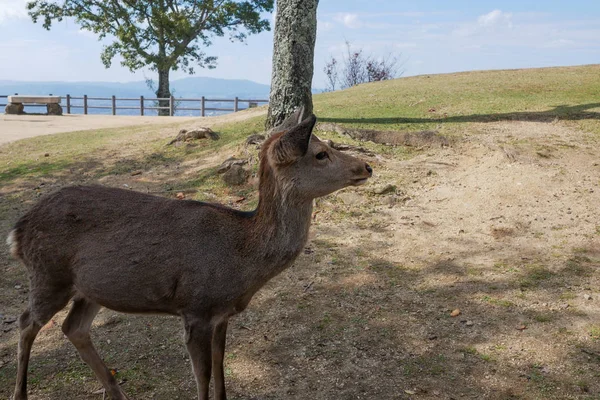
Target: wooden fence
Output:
[(142, 103)]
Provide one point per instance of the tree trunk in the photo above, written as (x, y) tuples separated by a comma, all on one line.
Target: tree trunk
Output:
[(293, 59), (163, 91)]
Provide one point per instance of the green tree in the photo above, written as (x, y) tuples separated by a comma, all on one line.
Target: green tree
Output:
[(163, 35)]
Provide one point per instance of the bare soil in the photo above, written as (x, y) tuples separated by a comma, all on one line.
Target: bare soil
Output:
[(503, 226), (16, 127)]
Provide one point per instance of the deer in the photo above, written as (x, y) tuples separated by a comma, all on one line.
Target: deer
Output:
[(133, 252)]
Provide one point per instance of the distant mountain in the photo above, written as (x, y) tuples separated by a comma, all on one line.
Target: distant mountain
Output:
[(186, 87), (192, 87)]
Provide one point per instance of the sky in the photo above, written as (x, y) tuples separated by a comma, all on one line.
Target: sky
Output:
[(427, 37)]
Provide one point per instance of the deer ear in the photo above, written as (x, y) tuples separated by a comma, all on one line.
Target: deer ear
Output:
[(291, 121), (294, 143)]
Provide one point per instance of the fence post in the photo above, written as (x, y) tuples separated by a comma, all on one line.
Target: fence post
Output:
[(68, 104), (141, 105), (235, 104), (85, 104), (202, 106), (114, 105), (171, 105)]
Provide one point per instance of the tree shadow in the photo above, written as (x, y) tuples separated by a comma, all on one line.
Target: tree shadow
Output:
[(563, 112)]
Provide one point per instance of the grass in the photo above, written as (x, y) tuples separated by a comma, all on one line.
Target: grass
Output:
[(449, 101)]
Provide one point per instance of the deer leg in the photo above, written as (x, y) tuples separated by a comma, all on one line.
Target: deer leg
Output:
[(43, 304), (29, 330), (198, 335), (218, 353), (77, 328)]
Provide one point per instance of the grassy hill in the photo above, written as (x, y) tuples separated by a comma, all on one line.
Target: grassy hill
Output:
[(448, 101), (501, 227)]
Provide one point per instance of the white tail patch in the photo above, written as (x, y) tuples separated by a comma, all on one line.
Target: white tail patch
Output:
[(13, 244)]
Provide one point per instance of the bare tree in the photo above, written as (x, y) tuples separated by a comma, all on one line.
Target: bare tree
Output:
[(332, 73), (358, 68)]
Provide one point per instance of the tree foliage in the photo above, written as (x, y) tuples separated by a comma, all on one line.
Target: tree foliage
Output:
[(162, 35), (142, 30)]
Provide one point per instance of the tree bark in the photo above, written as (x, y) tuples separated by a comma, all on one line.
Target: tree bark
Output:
[(163, 91), (293, 59)]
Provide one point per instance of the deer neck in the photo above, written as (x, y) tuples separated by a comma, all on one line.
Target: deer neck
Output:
[(280, 225)]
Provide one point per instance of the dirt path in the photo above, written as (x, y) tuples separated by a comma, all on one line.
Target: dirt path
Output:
[(16, 127)]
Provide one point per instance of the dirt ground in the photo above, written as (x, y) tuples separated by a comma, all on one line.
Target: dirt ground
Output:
[(501, 228), (16, 127)]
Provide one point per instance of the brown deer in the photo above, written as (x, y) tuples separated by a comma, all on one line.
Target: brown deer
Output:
[(137, 253)]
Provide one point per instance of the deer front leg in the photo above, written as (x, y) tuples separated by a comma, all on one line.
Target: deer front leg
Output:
[(198, 338), (218, 353)]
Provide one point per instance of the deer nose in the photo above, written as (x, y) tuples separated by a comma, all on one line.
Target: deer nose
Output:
[(369, 169)]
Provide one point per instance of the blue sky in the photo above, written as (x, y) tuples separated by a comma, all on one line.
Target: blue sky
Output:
[(429, 36)]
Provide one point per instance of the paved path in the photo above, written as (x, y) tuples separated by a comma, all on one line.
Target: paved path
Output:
[(15, 127)]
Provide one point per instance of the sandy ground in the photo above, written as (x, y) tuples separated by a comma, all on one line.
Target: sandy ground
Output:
[(504, 226), (16, 127)]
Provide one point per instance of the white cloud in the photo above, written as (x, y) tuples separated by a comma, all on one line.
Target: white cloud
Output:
[(405, 45), (495, 18), (12, 9), (494, 21), (560, 43), (324, 26), (349, 20)]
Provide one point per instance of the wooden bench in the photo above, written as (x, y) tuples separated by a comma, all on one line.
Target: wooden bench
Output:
[(16, 104)]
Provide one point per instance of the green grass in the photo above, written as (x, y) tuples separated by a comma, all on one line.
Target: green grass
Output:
[(546, 94)]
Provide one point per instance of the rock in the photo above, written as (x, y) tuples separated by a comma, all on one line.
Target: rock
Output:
[(236, 175), (255, 139), (230, 162), (14, 108), (390, 201), (587, 297), (469, 323), (54, 109), (9, 319), (351, 198), (455, 313), (385, 189), (200, 133)]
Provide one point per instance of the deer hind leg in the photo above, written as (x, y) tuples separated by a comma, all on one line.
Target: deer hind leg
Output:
[(44, 302), (198, 340), (218, 353), (77, 328)]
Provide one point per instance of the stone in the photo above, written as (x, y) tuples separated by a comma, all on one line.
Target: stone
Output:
[(34, 99), (230, 162), (235, 176), (255, 139), (200, 133), (14, 108), (351, 198), (389, 188), (54, 109)]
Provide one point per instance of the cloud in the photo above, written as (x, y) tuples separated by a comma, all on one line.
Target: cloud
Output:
[(495, 18), (349, 20), (324, 26), (494, 21), (560, 43), (12, 9)]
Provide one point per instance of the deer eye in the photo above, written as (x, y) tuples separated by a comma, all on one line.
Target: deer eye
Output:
[(322, 155)]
